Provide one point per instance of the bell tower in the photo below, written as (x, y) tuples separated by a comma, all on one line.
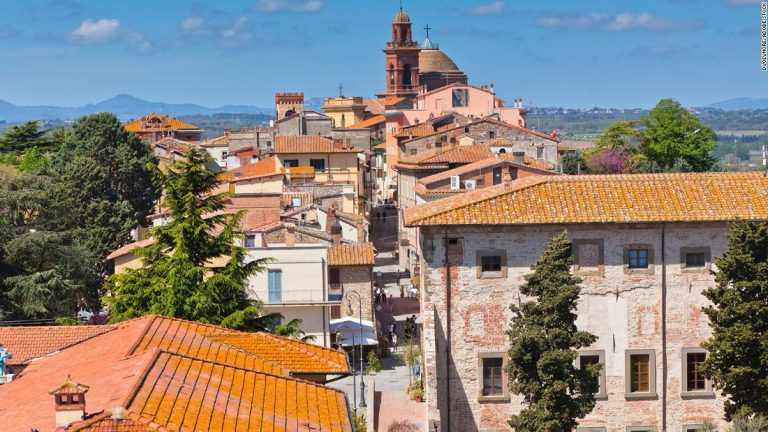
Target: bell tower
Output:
[(402, 60)]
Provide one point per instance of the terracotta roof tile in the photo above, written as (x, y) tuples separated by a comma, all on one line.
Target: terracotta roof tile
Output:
[(455, 129), (452, 154), (373, 121), (688, 197), (311, 144), (28, 343), (264, 168), (156, 122), (298, 357), (170, 374), (354, 254), (374, 106)]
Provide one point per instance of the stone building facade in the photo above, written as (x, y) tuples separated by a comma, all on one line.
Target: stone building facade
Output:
[(644, 263), (535, 145)]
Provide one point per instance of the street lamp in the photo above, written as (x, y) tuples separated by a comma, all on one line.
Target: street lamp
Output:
[(362, 370), (354, 381)]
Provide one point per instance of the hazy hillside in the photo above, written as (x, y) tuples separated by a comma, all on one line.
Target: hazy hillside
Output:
[(742, 103)]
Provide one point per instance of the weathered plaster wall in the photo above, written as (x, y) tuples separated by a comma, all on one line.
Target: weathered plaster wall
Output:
[(623, 310)]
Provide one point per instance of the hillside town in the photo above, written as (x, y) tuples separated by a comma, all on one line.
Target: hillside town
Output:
[(422, 259)]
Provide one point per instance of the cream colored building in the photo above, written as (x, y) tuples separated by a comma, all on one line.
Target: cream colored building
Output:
[(318, 162), (345, 111)]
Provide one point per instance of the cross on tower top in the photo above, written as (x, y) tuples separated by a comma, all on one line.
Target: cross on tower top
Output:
[(427, 28), (341, 89)]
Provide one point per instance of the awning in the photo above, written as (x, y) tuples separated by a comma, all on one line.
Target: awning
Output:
[(353, 324), (348, 329)]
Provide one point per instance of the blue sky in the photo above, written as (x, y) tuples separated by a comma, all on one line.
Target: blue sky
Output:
[(572, 53)]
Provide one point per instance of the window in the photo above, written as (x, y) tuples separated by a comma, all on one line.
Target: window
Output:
[(492, 385), (491, 264), (317, 164), (588, 257), (695, 259), (638, 258), (492, 376), (587, 358), (590, 429), (693, 428), (250, 241), (334, 276), (460, 98), (641, 374), (290, 163), (641, 429), (491, 134), (497, 176), (466, 129), (413, 151), (275, 283), (694, 382), (539, 152)]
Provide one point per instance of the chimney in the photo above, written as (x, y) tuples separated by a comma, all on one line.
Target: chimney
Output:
[(518, 157), (70, 402), (290, 235), (360, 232), (554, 134), (334, 226)]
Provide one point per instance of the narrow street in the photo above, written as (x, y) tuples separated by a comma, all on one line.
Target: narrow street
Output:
[(391, 399)]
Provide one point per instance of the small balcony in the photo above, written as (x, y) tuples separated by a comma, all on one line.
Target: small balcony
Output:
[(311, 175), (294, 297)]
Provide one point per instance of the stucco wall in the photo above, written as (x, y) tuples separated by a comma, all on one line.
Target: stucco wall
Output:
[(623, 310)]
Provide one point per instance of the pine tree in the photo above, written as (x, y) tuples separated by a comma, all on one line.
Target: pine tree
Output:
[(738, 348), (25, 136), (194, 269), (543, 341)]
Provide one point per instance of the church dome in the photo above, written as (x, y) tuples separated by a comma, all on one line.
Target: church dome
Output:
[(434, 60), (402, 18)]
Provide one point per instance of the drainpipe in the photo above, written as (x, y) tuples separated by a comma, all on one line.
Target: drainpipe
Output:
[(447, 332), (663, 329)]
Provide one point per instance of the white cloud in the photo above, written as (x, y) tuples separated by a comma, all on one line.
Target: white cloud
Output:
[(494, 8), (192, 23), (108, 30), (306, 6), (103, 30), (616, 23)]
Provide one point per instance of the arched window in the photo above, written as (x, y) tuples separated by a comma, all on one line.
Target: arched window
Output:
[(391, 74), (290, 113), (407, 75), (343, 121), (503, 150)]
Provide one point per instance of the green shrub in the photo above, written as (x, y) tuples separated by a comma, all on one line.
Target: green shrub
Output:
[(373, 362), (360, 425)]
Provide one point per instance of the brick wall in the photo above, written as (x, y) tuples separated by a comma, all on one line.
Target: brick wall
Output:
[(622, 308), (357, 279)]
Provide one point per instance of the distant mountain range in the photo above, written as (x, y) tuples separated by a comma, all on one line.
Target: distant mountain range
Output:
[(125, 107), (742, 103)]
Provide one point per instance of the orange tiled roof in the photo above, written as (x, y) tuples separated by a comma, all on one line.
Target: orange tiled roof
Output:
[(28, 343), (393, 100), (294, 355), (104, 422), (373, 121), (442, 156), (156, 122), (415, 131), (311, 144), (687, 197), (455, 129), (354, 254), (172, 374), (263, 168), (487, 163), (374, 106), (220, 141)]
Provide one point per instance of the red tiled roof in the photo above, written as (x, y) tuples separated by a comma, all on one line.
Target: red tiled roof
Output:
[(631, 198), (264, 168), (126, 249), (105, 422), (171, 374), (354, 254), (174, 144), (439, 158), (220, 141), (28, 343), (311, 144), (374, 106), (456, 129), (161, 123), (487, 163), (373, 121)]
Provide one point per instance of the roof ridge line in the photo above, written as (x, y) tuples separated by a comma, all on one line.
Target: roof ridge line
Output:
[(286, 341), (504, 189)]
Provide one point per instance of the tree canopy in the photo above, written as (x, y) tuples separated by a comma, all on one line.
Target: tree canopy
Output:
[(194, 269), (25, 136), (738, 348), (543, 340)]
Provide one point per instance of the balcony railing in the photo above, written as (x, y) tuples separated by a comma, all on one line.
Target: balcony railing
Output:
[(308, 174), (284, 297)]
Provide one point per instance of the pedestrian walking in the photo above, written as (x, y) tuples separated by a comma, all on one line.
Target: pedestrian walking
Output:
[(394, 341)]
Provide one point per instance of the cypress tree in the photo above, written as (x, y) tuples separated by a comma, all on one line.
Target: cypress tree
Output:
[(543, 341), (738, 347)]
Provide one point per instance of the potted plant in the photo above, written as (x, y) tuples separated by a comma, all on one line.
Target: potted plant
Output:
[(417, 394)]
